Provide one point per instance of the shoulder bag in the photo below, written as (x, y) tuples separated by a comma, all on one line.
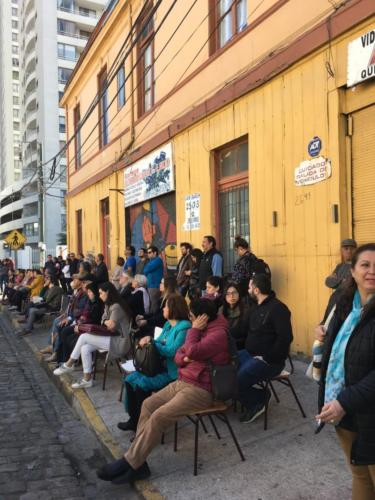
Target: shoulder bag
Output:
[(224, 379), (147, 360)]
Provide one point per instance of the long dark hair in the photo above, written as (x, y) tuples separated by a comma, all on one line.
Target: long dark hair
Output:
[(239, 304), (346, 300), (114, 297)]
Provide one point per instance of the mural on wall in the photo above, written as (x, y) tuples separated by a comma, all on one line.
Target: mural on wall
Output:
[(154, 223)]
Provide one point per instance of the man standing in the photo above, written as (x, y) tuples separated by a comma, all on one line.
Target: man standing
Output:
[(342, 273), (49, 265), (184, 264), (266, 348), (130, 262), (154, 271), (101, 271), (74, 264), (142, 261), (211, 263)]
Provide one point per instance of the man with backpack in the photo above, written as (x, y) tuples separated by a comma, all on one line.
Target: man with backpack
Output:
[(247, 265)]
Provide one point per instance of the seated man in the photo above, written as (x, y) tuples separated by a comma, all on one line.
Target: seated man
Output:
[(51, 302), (266, 346), (206, 341)]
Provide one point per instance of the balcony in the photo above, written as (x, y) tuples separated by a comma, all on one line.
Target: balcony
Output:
[(29, 42), (29, 23), (30, 101), (78, 12), (72, 39), (31, 120), (28, 6), (30, 63), (30, 82)]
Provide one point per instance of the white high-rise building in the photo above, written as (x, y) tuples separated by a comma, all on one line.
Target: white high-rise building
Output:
[(50, 37)]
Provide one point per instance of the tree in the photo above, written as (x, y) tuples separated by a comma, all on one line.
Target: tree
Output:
[(61, 239)]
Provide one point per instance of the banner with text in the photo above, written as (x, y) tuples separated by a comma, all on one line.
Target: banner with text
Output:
[(149, 177)]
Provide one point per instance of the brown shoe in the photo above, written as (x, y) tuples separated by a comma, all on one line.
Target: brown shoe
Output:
[(52, 358), (46, 350)]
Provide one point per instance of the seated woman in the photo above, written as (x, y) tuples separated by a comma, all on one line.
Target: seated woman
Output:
[(148, 322), (214, 291), (206, 342), (31, 288), (139, 299), (236, 311), (92, 314), (116, 340), (139, 386)]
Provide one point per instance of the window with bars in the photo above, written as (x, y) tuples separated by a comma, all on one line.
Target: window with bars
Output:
[(232, 200), (146, 88), (121, 87), (227, 19)]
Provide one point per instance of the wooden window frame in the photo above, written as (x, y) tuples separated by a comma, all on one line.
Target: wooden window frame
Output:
[(122, 91), (102, 79), (77, 137), (229, 182), (214, 22), (142, 44)]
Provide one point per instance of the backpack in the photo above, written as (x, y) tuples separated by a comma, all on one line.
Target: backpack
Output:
[(259, 266)]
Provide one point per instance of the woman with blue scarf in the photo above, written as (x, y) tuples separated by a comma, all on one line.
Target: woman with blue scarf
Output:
[(140, 386), (347, 387)]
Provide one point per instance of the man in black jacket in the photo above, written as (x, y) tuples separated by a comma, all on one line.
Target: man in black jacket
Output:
[(266, 347), (101, 271), (211, 263)]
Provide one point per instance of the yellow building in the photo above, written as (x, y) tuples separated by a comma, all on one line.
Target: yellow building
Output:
[(236, 117)]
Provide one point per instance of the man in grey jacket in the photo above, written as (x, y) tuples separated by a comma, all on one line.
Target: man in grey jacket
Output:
[(342, 273)]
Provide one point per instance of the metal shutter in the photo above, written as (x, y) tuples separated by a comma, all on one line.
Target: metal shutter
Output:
[(363, 171)]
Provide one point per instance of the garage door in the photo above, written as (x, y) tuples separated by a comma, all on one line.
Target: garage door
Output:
[(363, 172)]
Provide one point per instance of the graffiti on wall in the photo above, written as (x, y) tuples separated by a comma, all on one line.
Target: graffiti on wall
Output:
[(154, 223)]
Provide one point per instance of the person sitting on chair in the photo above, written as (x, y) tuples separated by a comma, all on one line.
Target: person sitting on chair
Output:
[(206, 342), (266, 346)]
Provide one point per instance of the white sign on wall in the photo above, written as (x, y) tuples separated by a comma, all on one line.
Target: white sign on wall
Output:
[(149, 177), (361, 58), (192, 212), (312, 171)]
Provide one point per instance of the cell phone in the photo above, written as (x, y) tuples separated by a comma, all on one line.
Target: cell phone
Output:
[(319, 426)]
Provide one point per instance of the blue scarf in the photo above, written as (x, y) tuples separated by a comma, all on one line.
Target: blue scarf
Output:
[(335, 378)]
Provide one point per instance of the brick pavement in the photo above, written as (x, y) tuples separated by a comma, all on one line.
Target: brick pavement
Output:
[(46, 453)]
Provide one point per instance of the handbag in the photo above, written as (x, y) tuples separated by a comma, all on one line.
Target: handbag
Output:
[(147, 360), (313, 370), (95, 330), (224, 378)]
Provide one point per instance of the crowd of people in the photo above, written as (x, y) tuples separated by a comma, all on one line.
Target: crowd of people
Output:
[(197, 309)]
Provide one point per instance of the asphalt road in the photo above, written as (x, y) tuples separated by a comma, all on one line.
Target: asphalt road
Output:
[(46, 452)]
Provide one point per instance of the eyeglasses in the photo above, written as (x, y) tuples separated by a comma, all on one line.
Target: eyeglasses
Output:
[(150, 251), (233, 294)]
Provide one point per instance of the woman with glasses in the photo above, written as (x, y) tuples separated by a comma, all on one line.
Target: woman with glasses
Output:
[(236, 311)]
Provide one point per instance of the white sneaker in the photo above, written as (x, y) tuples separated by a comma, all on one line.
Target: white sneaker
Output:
[(63, 369), (82, 384)]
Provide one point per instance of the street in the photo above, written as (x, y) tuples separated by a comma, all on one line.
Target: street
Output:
[(46, 453)]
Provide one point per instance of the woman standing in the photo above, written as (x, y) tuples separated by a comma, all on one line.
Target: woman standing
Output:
[(117, 271), (117, 320), (139, 386), (347, 389)]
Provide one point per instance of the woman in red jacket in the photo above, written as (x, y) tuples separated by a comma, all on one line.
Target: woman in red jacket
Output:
[(205, 342)]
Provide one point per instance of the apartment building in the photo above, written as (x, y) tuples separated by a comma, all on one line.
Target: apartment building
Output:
[(228, 117), (51, 36)]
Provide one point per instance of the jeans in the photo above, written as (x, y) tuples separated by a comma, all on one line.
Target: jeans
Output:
[(34, 314), (86, 345), (250, 372)]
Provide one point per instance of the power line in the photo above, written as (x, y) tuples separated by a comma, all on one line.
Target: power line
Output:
[(164, 69), (99, 95)]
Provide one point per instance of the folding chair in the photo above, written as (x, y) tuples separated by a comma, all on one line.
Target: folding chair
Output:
[(103, 353), (217, 410)]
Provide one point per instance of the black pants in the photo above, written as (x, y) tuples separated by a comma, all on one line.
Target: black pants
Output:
[(135, 398), (68, 339), (18, 297)]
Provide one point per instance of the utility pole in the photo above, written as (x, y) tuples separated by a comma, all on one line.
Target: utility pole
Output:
[(41, 197)]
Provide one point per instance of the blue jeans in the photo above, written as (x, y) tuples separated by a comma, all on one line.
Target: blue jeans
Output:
[(250, 372)]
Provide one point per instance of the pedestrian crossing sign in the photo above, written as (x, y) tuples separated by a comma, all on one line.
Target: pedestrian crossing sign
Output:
[(15, 240)]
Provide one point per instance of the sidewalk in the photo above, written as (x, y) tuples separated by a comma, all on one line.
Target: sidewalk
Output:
[(286, 462)]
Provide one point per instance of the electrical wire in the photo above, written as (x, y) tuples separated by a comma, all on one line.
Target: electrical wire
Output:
[(99, 95), (163, 70)]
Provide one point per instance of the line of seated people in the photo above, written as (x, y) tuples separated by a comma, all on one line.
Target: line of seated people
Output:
[(191, 338)]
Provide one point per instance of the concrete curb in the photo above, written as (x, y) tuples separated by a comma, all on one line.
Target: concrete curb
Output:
[(84, 407)]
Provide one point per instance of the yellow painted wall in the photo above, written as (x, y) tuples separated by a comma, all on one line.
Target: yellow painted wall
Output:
[(280, 118)]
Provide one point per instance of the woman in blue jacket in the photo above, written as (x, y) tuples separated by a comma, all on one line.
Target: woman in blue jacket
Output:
[(140, 386)]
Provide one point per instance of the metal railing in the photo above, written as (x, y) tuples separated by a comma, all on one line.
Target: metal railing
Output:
[(72, 35), (90, 14)]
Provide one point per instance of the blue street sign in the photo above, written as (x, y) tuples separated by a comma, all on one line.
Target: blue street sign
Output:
[(315, 146)]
